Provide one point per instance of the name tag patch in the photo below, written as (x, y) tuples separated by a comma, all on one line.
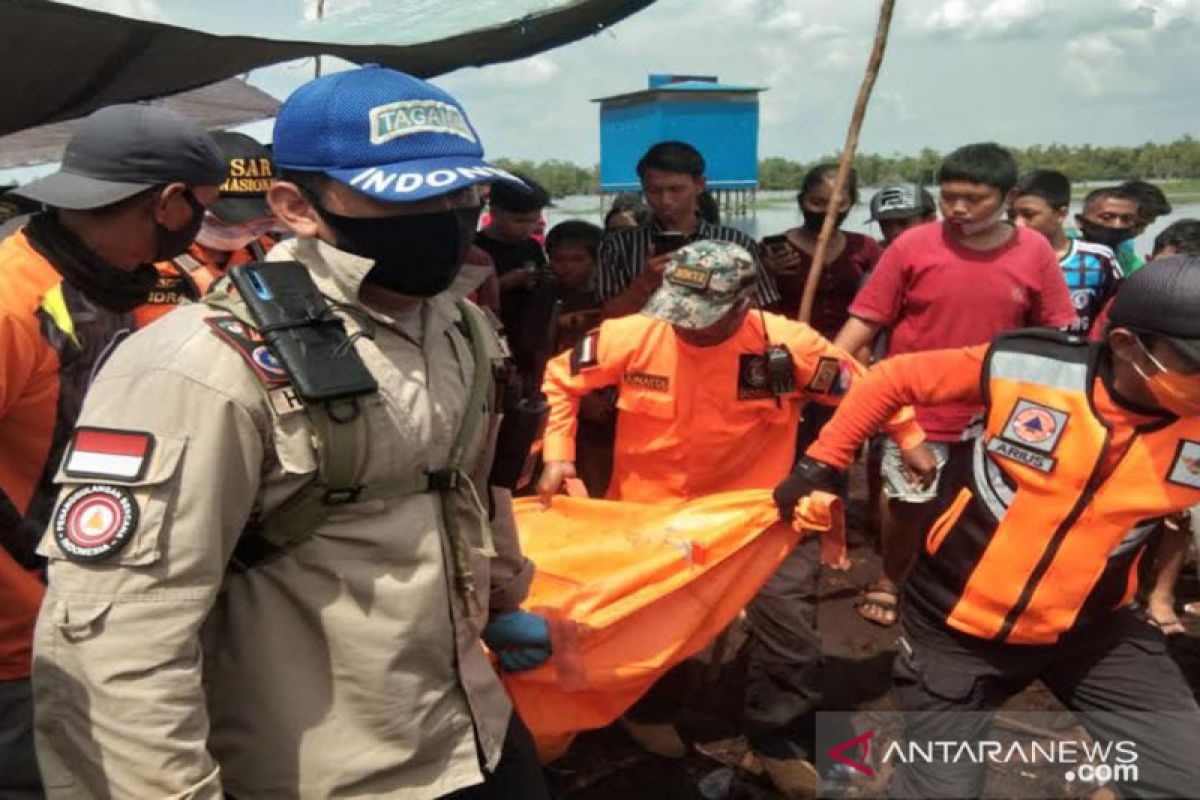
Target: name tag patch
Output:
[(1021, 455), (1036, 427), (285, 401), (95, 521), (644, 380), (690, 277), (1185, 470), (108, 454)]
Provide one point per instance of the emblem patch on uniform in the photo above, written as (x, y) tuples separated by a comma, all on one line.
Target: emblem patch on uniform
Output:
[(826, 376), (250, 347), (105, 453), (754, 381), (586, 353), (95, 521), (1021, 455), (1035, 426), (1185, 469), (690, 277)]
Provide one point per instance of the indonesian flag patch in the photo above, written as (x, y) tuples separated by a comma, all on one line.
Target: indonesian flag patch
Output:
[(108, 454), (95, 521)]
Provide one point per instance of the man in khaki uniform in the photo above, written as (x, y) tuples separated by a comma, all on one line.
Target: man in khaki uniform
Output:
[(349, 664)]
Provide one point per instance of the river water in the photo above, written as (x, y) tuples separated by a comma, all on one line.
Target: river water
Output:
[(778, 212)]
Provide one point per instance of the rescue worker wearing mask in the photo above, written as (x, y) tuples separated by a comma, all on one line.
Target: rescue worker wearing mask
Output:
[(710, 393), (255, 592), (1029, 569), (131, 190), (236, 230)]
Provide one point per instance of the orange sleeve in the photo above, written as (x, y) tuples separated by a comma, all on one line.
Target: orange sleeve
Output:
[(825, 373), (927, 379), (19, 354), (595, 362)]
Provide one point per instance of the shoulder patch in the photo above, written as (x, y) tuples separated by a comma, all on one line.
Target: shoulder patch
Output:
[(106, 453), (1185, 469), (586, 353), (825, 376), (95, 521), (251, 347)]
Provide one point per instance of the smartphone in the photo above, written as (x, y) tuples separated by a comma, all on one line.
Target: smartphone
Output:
[(309, 341), (668, 242)]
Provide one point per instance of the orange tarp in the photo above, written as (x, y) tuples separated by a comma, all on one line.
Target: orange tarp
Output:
[(631, 590)]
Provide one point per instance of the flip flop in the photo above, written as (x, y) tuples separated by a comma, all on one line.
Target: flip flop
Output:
[(881, 598), (1171, 626)]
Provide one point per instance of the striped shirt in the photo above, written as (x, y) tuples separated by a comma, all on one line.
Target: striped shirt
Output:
[(1093, 274), (622, 257)]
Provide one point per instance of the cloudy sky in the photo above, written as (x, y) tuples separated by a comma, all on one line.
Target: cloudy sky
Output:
[(1018, 71)]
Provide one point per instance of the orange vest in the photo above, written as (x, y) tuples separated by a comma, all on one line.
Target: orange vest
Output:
[(1036, 543), (188, 277)]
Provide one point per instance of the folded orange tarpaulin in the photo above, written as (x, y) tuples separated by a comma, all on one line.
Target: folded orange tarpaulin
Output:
[(631, 590)]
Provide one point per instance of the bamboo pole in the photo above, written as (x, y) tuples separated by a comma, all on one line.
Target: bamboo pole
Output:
[(843, 172)]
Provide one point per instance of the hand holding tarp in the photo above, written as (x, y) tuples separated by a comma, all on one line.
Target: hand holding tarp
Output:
[(519, 639)]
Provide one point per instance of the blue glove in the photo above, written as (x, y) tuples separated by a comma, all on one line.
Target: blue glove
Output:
[(521, 640)]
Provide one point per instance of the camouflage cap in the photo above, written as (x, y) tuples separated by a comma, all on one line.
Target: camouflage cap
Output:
[(701, 283)]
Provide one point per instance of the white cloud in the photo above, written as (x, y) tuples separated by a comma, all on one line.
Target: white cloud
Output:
[(994, 19), (531, 71), (149, 10)]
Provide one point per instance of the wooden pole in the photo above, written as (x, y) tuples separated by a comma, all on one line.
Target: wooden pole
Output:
[(843, 172), (320, 16)]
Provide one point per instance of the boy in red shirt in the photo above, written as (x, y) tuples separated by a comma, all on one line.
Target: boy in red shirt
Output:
[(954, 283)]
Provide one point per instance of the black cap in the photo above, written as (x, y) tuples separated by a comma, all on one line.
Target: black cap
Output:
[(1163, 298), (525, 196), (249, 171), (901, 201), (121, 150)]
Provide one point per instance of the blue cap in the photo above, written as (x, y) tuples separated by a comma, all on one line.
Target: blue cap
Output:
[(382, 133)]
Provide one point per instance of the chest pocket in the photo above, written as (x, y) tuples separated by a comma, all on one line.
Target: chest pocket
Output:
[(115, 521), (646, 403)]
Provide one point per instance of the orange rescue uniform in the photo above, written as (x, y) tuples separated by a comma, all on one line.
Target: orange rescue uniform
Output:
[(1041, 528), (695, 421), (188, 277)]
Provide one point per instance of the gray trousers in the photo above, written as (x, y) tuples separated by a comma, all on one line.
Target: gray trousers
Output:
[(19, 777), (1116, 676)]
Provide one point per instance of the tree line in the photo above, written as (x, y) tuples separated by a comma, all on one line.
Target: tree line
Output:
[(1152, 161)]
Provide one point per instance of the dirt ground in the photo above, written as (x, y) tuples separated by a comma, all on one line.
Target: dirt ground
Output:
[(606, 765)]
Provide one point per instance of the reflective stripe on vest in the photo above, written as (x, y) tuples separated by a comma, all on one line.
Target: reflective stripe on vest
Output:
[(1049, 544)]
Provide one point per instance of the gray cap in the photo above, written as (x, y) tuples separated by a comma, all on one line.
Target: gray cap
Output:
[(121, 150), (1161, 298), (901, 201)]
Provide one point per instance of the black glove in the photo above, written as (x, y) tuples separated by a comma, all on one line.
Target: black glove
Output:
[(805, 478)]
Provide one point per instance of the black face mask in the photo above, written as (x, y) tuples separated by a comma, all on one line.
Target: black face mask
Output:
[(174, 243), (1103, 234), (815, 220), (419, 255)]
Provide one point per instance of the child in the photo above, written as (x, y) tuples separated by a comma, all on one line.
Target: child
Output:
[(950, 284), (1041, 203), (572, 247)]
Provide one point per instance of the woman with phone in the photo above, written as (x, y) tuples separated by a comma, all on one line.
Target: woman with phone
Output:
[(849, 257)]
